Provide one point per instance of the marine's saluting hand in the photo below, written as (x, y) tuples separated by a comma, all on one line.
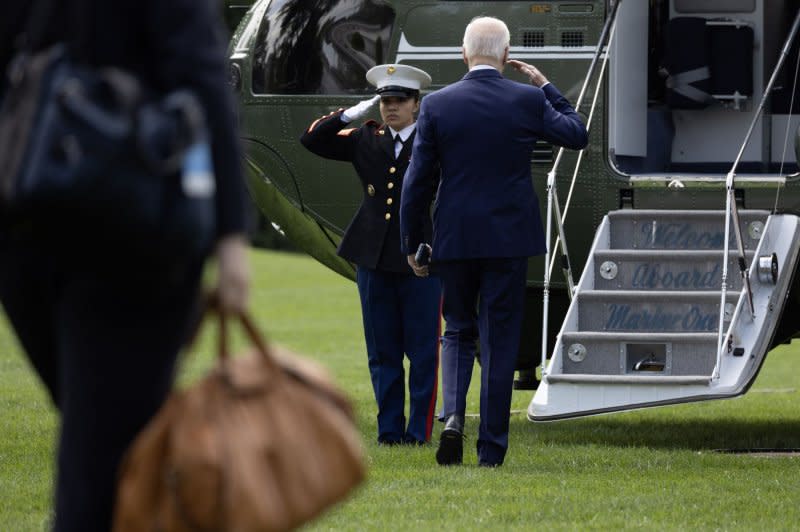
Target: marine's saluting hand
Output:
[(360, 109), (534, 76)]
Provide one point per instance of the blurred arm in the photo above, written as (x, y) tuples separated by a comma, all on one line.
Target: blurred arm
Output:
[(189, 44)]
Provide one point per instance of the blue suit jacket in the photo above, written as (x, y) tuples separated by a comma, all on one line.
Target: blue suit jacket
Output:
[(481, 130)]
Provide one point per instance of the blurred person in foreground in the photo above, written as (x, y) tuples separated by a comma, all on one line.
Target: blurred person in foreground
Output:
[(481, 130), (401, 312), (101, 325)]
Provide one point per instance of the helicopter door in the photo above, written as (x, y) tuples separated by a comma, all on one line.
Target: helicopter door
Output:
[(712, 75), (683, 80), (628, 82)]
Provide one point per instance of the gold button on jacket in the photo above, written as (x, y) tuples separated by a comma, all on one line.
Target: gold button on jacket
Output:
[(372, 238)]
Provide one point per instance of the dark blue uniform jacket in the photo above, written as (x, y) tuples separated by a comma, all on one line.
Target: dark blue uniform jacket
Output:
[(372, 239)]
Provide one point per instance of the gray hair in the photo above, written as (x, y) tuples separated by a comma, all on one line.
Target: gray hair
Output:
[(486, 37)]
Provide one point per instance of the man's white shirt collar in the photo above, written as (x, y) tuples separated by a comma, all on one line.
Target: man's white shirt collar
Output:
[(481, 67)]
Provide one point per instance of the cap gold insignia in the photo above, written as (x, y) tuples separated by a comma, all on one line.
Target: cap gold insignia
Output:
[(390, 70), (370, 190)]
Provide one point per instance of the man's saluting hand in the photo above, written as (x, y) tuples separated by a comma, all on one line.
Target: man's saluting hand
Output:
[(536, 78)]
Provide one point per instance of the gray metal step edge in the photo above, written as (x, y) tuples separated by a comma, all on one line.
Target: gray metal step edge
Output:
[(633, 295), (632, 337), (692, 254), (578, 378), (685, 215)]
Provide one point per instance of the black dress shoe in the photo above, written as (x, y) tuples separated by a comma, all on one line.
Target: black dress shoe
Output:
[(527, 380), (451, 442)]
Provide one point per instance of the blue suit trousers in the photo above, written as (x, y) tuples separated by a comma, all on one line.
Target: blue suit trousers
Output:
[(402, 315), (482, 299)]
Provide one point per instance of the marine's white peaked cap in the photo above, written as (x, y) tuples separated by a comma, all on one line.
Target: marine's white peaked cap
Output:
[(398, 80)]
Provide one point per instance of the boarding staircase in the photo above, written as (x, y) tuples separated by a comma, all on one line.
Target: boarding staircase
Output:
[(643, 325), (672, 305)]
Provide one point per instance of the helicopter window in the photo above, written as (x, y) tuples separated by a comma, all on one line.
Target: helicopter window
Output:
[(321, 47)]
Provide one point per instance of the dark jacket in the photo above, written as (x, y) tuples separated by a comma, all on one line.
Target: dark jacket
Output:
[(481, 130), (373, 237), (167, 44)]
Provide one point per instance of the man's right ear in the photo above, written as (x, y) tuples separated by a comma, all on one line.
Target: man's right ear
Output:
[(464, 56)]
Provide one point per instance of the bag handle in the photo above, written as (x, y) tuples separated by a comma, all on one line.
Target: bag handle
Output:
[(326, 392), (114, 121), (254, 335)]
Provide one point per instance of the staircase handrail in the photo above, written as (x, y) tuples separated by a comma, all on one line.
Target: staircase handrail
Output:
[(608, 27), (562, 217), (732, 211)]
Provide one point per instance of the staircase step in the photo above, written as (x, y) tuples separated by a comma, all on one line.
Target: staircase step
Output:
[(688, 270), (628, 379), (650, 311), (651, 229), (657, 354)]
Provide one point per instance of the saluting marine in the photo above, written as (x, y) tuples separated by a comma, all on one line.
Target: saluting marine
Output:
[(401, 312)]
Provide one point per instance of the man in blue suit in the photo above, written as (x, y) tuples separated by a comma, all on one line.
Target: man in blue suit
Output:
[(481, 130)]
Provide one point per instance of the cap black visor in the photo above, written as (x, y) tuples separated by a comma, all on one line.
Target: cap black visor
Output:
[(397, 92)]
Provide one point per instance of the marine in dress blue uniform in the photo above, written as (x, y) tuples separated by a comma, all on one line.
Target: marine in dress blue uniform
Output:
[(401, 312), (481, 130)]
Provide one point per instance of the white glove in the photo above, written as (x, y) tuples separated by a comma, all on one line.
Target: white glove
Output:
[(359, 109)]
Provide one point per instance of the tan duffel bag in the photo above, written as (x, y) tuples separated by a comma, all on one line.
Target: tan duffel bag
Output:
[(265, 441)]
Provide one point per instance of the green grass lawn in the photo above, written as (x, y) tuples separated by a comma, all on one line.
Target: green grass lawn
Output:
[(651, 469)]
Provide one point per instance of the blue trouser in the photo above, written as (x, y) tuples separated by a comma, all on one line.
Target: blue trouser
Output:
[(401, 315), (483, 298)]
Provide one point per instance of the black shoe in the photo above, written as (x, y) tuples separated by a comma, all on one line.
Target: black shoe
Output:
[(527, 380), (451, 442)]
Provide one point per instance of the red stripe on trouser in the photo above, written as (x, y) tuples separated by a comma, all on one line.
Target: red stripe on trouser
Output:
[(432, 405)]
